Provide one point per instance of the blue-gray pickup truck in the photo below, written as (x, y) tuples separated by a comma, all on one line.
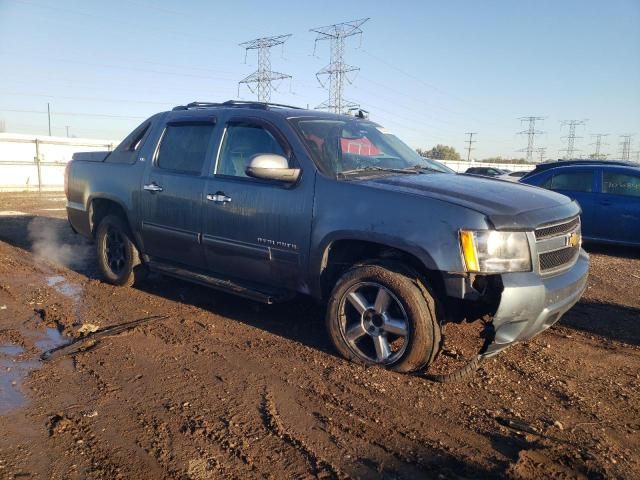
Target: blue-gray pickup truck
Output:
[(269, 201)]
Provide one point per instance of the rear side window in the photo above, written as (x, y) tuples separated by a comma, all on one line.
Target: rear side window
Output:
[(184, 147), (573, 181), (621, 184), (126, 152)]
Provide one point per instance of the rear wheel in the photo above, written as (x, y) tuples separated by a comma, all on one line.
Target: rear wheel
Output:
[(380, 315), (118, 257)]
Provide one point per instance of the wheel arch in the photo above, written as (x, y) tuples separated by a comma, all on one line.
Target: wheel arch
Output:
[(100, 207), (340, 254)]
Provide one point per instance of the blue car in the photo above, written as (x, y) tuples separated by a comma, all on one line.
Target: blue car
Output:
[(608, 192)]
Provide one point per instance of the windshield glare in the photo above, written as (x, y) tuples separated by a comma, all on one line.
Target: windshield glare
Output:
[(342, 147)]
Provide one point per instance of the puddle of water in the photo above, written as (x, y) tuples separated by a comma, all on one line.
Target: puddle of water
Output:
[(14, 368), (53, 339), (63, 286), (15, 364), (54, 280), (11, 349), (12, 372)]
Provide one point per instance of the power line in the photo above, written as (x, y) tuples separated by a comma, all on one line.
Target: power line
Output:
[(261, 81), (598, 146), (626, 146), (571, 137), (78, 114), (435, 88), (337, 70), (469, 143), (172, 70), (88, 99), (417, 104), (531, 132), (132, 22)]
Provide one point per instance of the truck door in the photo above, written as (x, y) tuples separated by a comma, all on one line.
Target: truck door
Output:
[(172, 193), (580, 185), (617, 211), (253, 229)]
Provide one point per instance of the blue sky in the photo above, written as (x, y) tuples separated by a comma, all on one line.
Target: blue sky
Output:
[(429, 71)]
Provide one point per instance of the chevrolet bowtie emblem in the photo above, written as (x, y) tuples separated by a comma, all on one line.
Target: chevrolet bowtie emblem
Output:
[(572, 240)]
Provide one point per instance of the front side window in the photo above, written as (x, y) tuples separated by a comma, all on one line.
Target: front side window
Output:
[(573, 181), (242, 142), (621, 184), (344, 147), (184, 147)]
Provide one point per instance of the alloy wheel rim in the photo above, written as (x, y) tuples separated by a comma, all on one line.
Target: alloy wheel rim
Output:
[(374, 323), (114, 251)]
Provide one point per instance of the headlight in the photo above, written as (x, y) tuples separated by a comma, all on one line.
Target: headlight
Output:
[(489, 251)]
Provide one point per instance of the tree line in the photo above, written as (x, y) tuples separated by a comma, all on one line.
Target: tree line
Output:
[(445, 152)]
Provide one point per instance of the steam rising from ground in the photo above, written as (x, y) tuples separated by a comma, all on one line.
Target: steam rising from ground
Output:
[(47, 244)]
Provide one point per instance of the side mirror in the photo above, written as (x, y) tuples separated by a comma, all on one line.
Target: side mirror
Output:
[(272, 167)]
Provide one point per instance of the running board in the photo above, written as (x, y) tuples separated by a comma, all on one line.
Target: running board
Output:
[(228, 286)]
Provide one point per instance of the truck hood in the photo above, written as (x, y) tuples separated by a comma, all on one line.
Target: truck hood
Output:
[(507, 205)]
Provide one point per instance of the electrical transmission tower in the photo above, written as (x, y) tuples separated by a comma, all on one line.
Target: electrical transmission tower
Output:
[(470, 142), (337, 71), (571, 137), (261, 81), (531, 132), (626, 147), (598, 146), (542, 151)]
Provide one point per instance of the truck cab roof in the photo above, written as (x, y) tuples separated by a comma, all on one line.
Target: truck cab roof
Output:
[(287, 111)]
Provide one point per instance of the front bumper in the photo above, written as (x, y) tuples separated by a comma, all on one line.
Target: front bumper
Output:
[(530, 303)]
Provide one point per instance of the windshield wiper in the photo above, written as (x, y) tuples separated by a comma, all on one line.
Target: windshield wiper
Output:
[(377, 169), (420, 168)]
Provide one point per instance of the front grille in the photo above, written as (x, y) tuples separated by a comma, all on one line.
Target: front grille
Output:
[(558, 246), (556, 230), (557, 258)]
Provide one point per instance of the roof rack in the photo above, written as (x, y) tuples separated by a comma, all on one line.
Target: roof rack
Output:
[(552, 164), (234, 103), (541, 167)]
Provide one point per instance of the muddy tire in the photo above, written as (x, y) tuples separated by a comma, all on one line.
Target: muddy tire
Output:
[(118, 257), (380, 314)]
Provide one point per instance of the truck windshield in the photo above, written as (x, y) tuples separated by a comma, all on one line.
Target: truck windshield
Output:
[(352, 147)]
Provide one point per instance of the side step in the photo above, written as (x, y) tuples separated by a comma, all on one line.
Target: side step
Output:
[(228, 286)]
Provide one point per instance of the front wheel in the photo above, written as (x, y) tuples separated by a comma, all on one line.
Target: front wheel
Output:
[(380, 315), (118, 257)]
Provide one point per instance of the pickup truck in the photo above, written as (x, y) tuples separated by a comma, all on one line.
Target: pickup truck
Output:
[(268, 201)]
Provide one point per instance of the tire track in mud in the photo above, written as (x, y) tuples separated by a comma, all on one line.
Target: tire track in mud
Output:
[(273, 422), (230, 360), (384, 446)]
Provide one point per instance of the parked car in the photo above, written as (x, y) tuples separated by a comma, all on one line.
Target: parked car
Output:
[(438, 166), (513, 176), (608, 192), (486, 171), (267, 201)]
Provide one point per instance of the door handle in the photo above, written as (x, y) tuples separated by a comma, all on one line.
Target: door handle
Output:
[(152, 187), (219, 197)]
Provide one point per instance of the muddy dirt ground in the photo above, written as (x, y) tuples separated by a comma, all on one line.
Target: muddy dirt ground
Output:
[(206, 385)]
